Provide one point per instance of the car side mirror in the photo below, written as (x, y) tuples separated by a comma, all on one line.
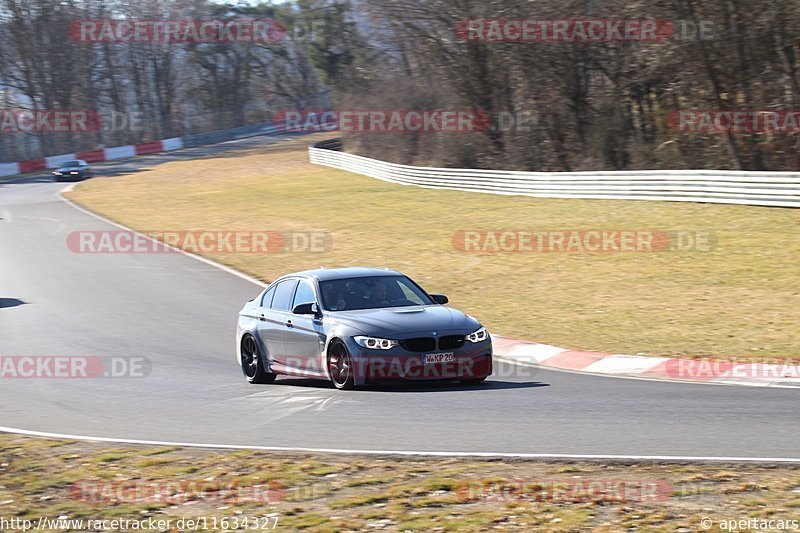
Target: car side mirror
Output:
[(307, 309), (440, 299)]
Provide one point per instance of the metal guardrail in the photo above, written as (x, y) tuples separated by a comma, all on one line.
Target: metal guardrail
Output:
[(242, 132), (121, 152), (776, 189)]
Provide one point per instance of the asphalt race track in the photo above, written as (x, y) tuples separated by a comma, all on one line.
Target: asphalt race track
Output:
[(179, 313)]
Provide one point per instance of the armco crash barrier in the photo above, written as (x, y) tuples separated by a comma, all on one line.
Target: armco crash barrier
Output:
[(122, 152), (777, 189), (90, 156)]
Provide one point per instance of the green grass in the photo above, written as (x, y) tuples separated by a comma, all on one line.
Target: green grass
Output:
[(741, 299)]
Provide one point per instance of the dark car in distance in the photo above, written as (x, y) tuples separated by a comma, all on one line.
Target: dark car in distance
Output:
[(73, 170)]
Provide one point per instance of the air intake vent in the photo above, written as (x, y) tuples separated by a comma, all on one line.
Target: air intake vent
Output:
[(419, 344), (451, 342)]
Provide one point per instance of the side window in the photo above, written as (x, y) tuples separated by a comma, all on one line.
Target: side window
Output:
[(266, 301), (283, 294), (304, 294)]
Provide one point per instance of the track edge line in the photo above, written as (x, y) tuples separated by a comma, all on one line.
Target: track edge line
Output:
[(408, 453)]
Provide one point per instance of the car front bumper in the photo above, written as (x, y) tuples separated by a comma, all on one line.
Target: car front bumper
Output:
[(473, 361), (67, 176)]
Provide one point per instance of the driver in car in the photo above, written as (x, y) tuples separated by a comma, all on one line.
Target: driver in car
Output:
[(335, 298), (380, 295)]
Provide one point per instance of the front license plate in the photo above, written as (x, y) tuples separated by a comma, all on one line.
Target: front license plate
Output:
[(432, 358)]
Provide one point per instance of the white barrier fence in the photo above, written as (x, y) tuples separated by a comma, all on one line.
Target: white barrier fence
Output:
[(777, 189)]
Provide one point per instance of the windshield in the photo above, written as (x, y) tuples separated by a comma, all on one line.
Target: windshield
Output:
[(374, 292), (69, 164)]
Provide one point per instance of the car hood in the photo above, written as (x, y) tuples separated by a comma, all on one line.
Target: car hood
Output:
[(406, 320)]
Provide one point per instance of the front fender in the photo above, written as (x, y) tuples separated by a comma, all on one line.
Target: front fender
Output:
[(345, 334)]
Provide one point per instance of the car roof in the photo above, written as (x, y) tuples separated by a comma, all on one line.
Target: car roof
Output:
[(328, 274)]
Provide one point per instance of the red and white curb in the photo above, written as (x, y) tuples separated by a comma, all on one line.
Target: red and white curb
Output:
[(91, 156), (654, 368)]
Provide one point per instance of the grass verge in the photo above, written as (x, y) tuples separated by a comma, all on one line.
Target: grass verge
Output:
[(740, 299), (91, 481)]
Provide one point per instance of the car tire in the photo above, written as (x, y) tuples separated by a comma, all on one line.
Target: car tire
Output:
[(340, 366), (252, 365), (474, 381)]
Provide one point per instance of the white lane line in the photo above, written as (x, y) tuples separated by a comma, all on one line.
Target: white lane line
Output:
[(60, 226), (220, 266), (405, 452)]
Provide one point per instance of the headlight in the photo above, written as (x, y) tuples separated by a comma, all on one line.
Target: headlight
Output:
[(478, 336), (375, 344), (57, 173), (73, 172)]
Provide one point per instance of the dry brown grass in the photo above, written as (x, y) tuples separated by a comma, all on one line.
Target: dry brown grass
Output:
[(339, 493)]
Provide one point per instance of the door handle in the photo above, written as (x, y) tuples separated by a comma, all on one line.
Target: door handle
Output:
[(289, 324), (262, 318)]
